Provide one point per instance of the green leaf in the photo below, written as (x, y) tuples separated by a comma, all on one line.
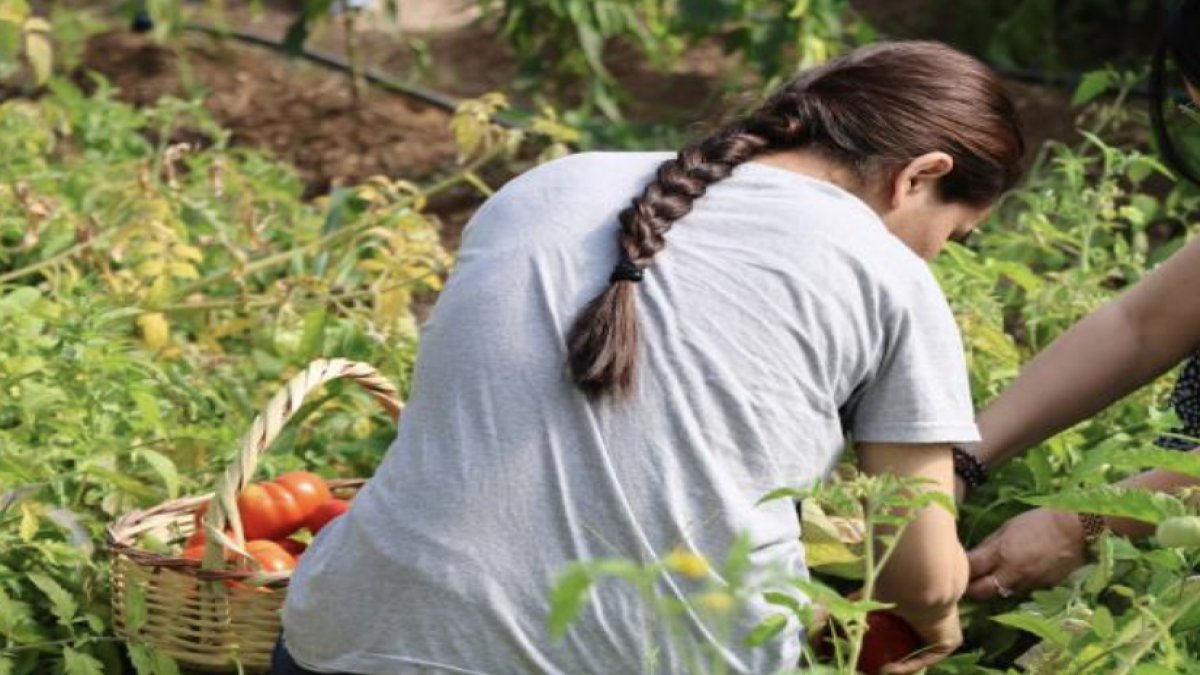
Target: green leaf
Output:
[(79, 663), (766, 630), (1102, 574), (164, 467), (150, 661), (784, 600), (1102, 622), (1108, 500), (1092, 85), (567, 599), (1038, 625), (312, 336), (62, 604), (135, 608)]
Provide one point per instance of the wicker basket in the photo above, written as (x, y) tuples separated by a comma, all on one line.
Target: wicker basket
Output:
[(212, 615)]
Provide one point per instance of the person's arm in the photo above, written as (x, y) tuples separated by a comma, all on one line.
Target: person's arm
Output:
[(1110, 353), (927, 573)]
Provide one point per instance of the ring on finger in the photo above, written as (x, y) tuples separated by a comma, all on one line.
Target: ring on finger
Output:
[(1001, 590)]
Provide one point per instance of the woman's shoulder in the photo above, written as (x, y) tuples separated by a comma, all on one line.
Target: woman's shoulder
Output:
[(593, 168)]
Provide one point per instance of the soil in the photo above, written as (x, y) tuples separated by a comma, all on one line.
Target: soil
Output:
[(307, 116)]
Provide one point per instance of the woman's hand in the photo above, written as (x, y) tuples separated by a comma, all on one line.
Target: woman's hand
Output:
[(1036, 549), (939, 630)]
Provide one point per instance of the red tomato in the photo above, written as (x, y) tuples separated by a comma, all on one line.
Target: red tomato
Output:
[(331, 509), (889, 639), (309, 489), (268, 511), (270, 556), (197, 553), (296, 548), (197, 538)]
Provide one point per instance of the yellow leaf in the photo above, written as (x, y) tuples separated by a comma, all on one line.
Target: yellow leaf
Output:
[(29, 522), (183, 270), (14, 11), (187, 252), (150, 268), (155, 330)]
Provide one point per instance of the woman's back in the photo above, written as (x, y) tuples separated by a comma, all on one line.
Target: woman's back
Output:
[(780, 313)]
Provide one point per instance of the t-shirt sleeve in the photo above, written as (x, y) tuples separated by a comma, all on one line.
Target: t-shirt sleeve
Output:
[(919, 392)]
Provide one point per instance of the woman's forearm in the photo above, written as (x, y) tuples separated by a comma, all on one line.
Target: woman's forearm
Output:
[(927, 570), (1114, 351), (1096, 362)]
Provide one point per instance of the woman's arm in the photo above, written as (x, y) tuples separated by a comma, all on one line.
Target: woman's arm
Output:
[(1110, 353), (927, 573)]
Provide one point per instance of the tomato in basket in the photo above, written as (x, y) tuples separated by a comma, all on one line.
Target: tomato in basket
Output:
[(309, 490), (268, 511), (328, 511), (270, 556)]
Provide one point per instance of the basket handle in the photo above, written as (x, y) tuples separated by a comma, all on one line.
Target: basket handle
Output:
[(222, 509)]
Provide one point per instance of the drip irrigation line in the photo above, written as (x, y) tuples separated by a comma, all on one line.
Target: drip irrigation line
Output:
[(334, 62)]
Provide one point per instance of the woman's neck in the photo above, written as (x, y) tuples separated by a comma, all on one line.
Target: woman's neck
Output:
[(816, 164)]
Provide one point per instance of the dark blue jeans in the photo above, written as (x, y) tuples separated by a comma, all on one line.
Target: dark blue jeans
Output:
[(282, 662)]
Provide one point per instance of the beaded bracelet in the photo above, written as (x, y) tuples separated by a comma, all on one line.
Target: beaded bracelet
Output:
[(969, 468), (1093, 527)]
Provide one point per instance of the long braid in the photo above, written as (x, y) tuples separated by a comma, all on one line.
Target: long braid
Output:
[(603, 342), (873, 110)]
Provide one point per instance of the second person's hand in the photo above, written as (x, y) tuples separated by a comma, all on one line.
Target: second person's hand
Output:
[(1036, 549)]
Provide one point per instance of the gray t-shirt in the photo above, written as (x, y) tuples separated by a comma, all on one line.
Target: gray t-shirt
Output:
[(781, 316)]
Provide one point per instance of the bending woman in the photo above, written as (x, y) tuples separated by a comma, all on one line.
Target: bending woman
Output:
[(604, 378), (1140, 335)]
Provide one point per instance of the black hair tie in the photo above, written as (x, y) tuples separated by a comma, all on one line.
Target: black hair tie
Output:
[(626, 270)]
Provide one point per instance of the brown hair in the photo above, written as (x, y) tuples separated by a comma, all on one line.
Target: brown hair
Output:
[(874, 109)]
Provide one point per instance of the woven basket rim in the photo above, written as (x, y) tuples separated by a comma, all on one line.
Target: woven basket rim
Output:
[(123, 533)]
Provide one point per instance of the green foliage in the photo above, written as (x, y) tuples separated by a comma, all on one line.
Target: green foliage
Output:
[(152, 296), (564, 44)]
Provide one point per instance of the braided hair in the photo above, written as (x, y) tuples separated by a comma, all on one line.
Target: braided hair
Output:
[(872, 110)]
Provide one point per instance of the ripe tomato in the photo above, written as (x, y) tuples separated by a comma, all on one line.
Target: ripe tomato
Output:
[(328, 511), (309, 489), (889, 639), (270, 556), (197, 538), (197, 553), (296, 548), (268, 511)]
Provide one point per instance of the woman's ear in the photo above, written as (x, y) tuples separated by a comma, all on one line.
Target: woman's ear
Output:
[(919, 177)]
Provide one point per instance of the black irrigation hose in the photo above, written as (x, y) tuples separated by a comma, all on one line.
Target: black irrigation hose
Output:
[(334, 62)]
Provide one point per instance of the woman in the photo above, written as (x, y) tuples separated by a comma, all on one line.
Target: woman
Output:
[(603, 379), (1135, 338)]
